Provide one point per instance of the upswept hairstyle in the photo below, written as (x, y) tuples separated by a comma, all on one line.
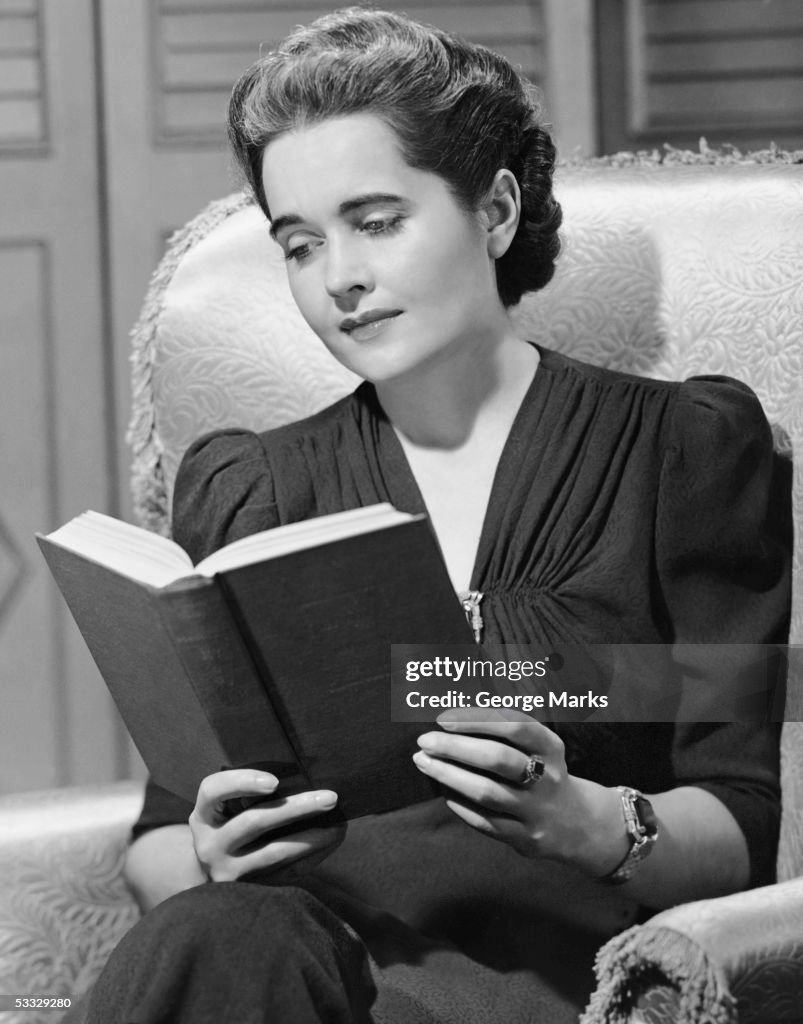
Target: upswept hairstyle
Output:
[(459, 111)]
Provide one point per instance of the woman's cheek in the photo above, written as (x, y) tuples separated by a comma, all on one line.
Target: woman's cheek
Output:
[(308, 304)]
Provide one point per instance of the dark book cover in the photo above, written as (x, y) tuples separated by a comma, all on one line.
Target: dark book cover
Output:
[(284, 664), (179, 673), (320, 624)]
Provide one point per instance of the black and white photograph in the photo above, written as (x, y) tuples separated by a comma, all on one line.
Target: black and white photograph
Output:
[(401, 503)]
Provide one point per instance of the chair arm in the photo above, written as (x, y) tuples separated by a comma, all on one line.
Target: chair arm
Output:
[(63, 902), (733, 960)]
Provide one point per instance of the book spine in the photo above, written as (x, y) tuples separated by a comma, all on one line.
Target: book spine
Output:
[(226, 681)]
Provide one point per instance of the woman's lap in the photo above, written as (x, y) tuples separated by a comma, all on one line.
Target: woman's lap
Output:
[(254, 954)]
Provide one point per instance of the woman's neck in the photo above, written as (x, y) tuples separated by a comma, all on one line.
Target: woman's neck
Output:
[(443, 404)]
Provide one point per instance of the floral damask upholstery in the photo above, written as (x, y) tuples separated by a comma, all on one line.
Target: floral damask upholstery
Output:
[(63, 901), (668, 270)]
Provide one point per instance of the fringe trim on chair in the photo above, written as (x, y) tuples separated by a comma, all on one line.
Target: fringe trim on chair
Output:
[(668, 156), (148, 482), (629, 961)]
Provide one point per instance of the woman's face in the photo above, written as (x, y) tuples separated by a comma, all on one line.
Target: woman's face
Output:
[(385, 266)]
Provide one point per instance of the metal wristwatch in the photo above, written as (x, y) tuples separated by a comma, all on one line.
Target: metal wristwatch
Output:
[(642, 827)]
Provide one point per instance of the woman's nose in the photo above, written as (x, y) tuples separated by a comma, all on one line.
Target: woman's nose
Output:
[(347, 270)]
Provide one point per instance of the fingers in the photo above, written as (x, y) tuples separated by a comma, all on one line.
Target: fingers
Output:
[(500, 809), (273, 856), (479, 789), (485, 754), (216, 789), (229, 847), (509, 726), (257, 822), (500, 742), (483, 758)]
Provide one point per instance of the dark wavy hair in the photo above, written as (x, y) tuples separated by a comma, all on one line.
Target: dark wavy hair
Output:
[(458, 109)]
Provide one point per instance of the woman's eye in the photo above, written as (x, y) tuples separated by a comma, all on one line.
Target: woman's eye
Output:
[(380, 226), (299, 252)]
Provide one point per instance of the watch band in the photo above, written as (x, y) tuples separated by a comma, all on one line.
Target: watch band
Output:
[(642, 827)]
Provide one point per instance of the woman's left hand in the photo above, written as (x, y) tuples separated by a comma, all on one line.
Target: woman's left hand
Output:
[(481, 757)]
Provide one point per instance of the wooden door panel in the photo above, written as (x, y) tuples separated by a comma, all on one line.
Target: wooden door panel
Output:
[(727, 70), (56, 722), (29, 632)]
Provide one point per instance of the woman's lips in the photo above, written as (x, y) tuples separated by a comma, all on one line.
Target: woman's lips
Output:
[(369, 325)]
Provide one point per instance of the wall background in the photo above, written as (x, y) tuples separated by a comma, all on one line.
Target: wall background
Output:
[(111, 137)]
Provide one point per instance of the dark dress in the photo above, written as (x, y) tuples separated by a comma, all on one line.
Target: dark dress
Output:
[(624, 511)]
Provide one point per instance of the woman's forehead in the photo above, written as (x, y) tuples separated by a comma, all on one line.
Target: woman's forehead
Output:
[(321, 166)]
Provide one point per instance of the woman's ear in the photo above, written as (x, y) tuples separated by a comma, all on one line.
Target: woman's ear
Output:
[(502, 210)]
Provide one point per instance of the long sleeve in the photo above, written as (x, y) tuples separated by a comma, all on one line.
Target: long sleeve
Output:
[(723, 569)]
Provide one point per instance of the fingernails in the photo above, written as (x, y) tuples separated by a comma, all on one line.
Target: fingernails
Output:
[(422, 760), (326, 799), (266, 783), (425, 743)]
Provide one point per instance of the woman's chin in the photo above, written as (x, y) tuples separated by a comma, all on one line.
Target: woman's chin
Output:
[(377, 367)]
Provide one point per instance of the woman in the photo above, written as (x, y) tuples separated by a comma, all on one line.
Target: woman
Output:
[(407, 178)]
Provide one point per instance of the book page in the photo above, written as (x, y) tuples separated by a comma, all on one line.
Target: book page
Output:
[(129, 550), (158, 562), (310, 533)]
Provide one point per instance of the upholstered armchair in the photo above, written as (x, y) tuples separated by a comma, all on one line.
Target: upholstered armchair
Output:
[(692, 264)]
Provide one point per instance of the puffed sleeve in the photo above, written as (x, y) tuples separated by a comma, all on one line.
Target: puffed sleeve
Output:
[(223, 491), (723, 568)]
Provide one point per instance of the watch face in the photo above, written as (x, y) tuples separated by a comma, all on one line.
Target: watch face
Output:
[(646, 816)]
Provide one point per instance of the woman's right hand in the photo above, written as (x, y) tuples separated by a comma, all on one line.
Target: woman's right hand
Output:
[(229, 847)]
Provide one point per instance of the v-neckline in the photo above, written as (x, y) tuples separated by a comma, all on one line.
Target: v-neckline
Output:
[(402, 487)]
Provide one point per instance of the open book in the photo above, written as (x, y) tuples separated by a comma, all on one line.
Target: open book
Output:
[(274, 651)]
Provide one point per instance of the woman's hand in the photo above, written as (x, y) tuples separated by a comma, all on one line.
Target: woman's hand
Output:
[(482, 756), (229, 847)]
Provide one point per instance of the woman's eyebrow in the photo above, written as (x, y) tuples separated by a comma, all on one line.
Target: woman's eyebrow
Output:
[(370, 199), (289, 220)]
